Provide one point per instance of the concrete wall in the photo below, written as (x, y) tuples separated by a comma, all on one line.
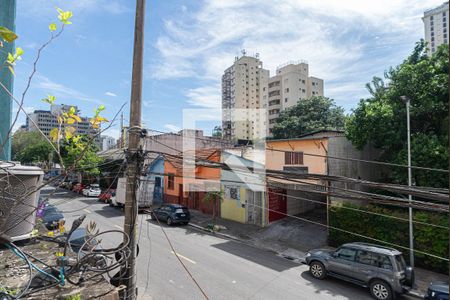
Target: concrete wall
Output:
[(172, 143), (343, 148), (296, 205)]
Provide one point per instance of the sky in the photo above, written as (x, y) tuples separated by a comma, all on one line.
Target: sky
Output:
[(188, 45)]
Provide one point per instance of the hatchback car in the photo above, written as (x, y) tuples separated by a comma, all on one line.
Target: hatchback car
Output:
[(381, 269), (172, 214), (92, 191)]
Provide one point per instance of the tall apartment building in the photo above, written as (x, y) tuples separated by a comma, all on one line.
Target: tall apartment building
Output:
[(291, 84), (46, 120), (244, 86), (435, 21)]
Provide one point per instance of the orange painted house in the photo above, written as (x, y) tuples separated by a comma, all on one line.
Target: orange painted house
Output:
[(189, 189), (314, 153)]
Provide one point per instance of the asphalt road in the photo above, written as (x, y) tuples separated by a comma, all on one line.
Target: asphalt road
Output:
[(224, 269)]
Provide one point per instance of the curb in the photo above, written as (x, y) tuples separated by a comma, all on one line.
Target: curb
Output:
[(231, 237), (412, 293), (415, 294)]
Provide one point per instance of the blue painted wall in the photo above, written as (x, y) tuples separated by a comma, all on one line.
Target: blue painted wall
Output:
[(7, 19), (157, 166)]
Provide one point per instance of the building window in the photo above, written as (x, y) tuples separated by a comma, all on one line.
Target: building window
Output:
[(170, 181), (293, 158), (286, 90), (431, 17), (285, 99)]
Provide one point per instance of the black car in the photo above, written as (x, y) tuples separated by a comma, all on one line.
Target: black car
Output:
[(172, 214), (437, 291)]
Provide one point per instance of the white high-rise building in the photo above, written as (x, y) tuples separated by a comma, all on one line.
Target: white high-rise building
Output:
[(46, 120), (291, 84), (435, 21), (107, 142), (244, 86)]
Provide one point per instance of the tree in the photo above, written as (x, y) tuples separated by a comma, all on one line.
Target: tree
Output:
[(80, 152), (381, 119), (31, 147), (308, 115), (215, 198), (217, 131)]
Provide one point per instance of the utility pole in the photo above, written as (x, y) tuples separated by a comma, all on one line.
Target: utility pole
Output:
[(407, 101), (134, 136), (122, 144)]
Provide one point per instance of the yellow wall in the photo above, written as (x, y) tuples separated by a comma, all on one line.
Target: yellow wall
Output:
[(231, 209)]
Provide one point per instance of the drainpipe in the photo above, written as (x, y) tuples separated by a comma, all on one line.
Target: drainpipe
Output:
[(7, 19)]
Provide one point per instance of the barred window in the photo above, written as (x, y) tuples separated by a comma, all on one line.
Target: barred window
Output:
[(293, 158)]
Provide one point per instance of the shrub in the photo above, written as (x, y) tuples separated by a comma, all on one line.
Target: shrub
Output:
[(428, 239)]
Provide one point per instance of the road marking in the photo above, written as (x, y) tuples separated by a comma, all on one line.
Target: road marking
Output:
[(87, 210), (184, 257), (120, 227)]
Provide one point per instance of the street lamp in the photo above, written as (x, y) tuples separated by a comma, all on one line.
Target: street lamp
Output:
[(406, 100)]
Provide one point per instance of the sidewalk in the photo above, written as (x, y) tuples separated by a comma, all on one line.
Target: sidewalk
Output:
[(291, 238)]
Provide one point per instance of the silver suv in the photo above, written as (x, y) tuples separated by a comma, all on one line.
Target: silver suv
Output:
[(381, 269)]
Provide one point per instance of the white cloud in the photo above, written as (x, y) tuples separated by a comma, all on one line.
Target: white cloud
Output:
[(339, 39), (205, 96), (172, 128), (60, 90), (111, 94)]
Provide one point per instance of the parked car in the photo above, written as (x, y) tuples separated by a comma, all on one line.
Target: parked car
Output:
[(383, 270), (437, 291), (92, 190), (52, 217), (78, 188), (172, 214), (107, 195)]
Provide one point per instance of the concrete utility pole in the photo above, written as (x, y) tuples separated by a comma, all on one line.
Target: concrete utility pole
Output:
[(134, 134), (407, 101)]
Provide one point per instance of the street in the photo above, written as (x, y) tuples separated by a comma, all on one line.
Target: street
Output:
[(224, 269)]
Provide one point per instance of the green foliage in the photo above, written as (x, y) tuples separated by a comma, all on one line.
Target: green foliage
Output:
[(12, 58), (52, 27), (308, 115), (81, 153), (427, 239), (381, 119), (64, 16), (49, 99), (74, 297), (31, 147), (7, 35)]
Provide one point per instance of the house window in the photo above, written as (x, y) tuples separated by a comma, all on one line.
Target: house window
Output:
[(171, 181), (293, 158)]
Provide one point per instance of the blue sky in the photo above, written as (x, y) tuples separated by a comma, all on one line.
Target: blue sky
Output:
[(188, 44)]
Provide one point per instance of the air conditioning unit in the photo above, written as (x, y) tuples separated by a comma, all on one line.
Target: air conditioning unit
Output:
[(18, 199)]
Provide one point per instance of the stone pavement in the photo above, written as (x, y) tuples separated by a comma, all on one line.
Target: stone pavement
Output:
[(290, 238)]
